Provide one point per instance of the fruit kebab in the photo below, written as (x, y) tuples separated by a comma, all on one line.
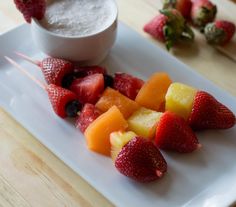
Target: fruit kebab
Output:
[(200, 109), (63, 72), (139, 159), (64, 102), (86, 82)]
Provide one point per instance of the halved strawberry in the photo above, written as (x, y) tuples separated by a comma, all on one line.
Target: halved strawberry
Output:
[(173, 133), (88, 114), (127, 84), (60, 98), (208, 113), (31, 8), (90, 70), (89, 88)]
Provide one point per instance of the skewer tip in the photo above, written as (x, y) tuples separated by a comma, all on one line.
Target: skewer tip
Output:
[(27, 58), (17, 66)]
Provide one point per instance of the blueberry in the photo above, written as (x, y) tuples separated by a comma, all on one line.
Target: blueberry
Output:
[(67, 80), (108, 80), (72, 108)]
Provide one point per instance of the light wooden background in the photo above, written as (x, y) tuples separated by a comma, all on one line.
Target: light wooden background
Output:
[(30, 175)]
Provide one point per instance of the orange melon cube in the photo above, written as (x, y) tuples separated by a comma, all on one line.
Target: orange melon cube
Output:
[(152, 94), (111, 97), (98, 133)]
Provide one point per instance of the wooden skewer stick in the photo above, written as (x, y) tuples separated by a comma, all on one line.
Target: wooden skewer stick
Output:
[(27, 58), (17, 66)]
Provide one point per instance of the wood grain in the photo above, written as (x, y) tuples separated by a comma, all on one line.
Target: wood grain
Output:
[(30, 175), (30, 172)]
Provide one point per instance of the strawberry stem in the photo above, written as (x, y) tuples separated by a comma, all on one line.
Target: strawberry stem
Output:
[(27, 58), (17, 66)]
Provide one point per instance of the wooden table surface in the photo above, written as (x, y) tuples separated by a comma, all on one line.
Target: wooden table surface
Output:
[(30, 175)]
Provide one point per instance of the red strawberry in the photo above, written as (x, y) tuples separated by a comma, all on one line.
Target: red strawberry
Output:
[(169, 27), (60, 98), (127, 84), (173, 133), (156, 27), (90, 70), (31, 8), (88, 114), (89, 88), (208, 113), (55, 70), (183, 6), (203, 12), (219, 32), (141, 160)]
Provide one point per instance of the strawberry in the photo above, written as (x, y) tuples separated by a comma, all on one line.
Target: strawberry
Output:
[(208, 113), (90, 70), (173, 133), (127, 84), (55, 70), (88, 114), (60, 98), (156, 27), (219, 32), (203, 12), (141, 160), (31, 8), (169, 27), (183, 6), (89, 88)]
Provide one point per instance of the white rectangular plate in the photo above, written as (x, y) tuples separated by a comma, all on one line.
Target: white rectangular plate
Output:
[(204, 178)]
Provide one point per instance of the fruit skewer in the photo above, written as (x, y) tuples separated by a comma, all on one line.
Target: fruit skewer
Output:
[(128, 162), (51, 67), (63, 101)]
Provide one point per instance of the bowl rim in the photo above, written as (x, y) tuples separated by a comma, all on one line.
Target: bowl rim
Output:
[(37, 23)]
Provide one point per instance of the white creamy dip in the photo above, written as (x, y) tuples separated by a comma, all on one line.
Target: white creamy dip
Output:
[(79, 17)]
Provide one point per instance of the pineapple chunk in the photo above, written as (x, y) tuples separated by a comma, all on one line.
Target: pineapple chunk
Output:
[(118, 140), (179, 99), (143, 122)]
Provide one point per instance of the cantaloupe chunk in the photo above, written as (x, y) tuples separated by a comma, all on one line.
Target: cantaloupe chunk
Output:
[(152, 94), (179, 99), (111, 97), (98, 133), (144, 122)]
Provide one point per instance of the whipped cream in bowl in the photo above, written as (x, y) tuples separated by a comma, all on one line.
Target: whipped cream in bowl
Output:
[(77, 30)]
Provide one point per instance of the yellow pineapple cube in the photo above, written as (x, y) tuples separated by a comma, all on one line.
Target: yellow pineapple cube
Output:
[(118, 140), (143, 122), (179, 99)]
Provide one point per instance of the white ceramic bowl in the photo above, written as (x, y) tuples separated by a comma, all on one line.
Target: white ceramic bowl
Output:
[(87, 50)]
